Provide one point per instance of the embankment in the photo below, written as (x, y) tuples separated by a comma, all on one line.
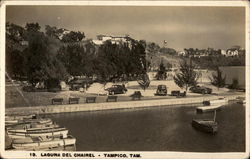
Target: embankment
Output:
[(188, 101)]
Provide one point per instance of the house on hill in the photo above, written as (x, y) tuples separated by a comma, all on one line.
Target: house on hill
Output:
[(113, 39)]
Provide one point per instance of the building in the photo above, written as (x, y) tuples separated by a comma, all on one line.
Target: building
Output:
[(234, 73), (113, 39)]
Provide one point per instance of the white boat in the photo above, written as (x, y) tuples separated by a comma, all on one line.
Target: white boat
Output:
[(20, 117), (15, 119), (48, 148), (36, 133), (10, 122), (216, 101), (208, 108), (31, 127), (37, 120), (42, 143)]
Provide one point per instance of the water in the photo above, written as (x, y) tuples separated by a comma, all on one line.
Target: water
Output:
[(155, 129)]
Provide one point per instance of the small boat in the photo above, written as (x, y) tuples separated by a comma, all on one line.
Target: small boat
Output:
[(242, 102), (35, 133), (20, 117), (42, 143), (15, 119), (206, 125), (48, 148), (24, 121), (29, 127), (208, 108), (216, 102)]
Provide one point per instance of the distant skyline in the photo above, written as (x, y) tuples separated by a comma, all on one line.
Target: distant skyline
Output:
[(181, 27)]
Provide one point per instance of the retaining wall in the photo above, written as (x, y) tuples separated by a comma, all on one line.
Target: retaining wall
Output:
[(194, 101)]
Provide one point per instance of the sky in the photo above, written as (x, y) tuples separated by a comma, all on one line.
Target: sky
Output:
[(181, 27)]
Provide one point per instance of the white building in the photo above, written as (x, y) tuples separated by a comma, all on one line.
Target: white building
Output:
[(113, 39)]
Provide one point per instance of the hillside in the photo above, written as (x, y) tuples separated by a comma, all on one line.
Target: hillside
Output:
[(164, 58)]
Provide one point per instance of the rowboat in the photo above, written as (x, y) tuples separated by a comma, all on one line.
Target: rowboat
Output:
[(29, 127), (208, 108), (42, 143), (36, 133), (206, 125), (20, 117), (216, 101), (24, 121), (48, 148)]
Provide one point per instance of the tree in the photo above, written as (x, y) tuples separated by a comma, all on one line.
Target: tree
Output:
[(32, 27), (53, 31), (73, 37), (162, 72), (77, 61), (144, 81), (153, 48), (41, 63), (169, 51), (234, 85), (14, 50), (217, 79), (187, 76)]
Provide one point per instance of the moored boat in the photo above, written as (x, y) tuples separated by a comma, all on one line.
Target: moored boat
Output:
[(11, 122), (20, 117), (42, 143), (36, 133), (29, 127), (208, 108), (206, 125), (220, 101)]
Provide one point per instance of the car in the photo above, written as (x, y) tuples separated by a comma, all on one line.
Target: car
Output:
[(116, 89), (161, 90), (201, 89)]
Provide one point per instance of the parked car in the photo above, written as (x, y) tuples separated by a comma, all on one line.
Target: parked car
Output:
[(116, 89), (161, 90), (201, 89)]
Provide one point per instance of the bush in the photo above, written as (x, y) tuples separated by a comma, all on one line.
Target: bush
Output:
[(234, 85)]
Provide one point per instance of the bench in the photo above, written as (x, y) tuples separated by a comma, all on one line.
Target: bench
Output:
[(90, 99), (136, 95), (112, 99), (57, 101), (182, 95), (74, 100), (175, 93)]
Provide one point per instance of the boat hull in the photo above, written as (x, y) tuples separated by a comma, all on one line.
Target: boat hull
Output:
[(50, 132), (43, 145), (207, 126), (32, 127), (208, 108)]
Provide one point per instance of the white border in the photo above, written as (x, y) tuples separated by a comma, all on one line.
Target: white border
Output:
[(154, 154)]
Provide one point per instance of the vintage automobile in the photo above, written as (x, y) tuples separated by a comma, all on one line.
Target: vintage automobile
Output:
[(201, 89), (161, 90), (116, 89)]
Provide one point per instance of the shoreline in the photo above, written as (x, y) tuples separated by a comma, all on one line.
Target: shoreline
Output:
[(54, 109)]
